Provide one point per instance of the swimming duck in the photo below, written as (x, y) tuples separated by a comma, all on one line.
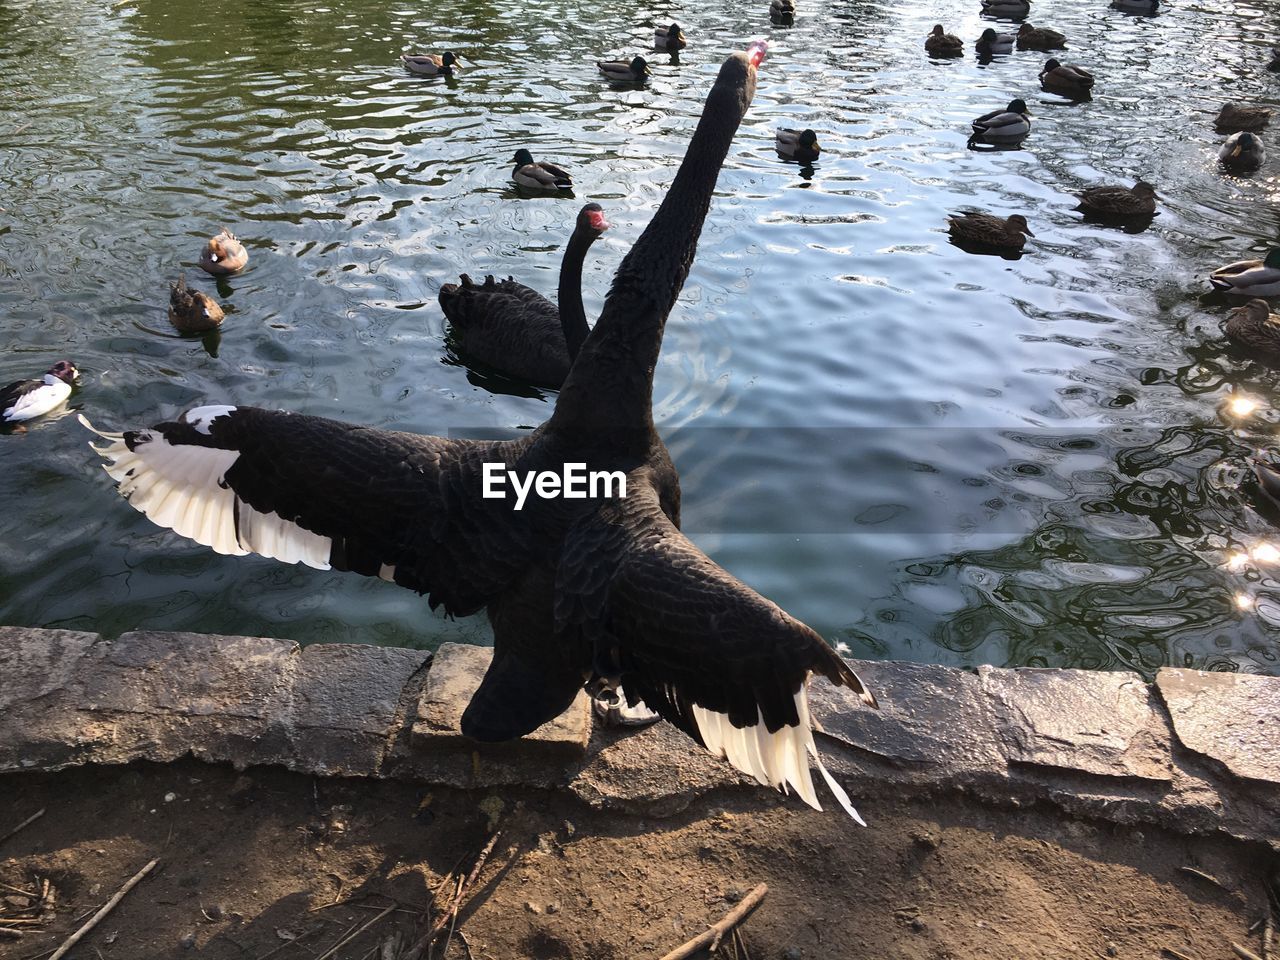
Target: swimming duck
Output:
[(800, 145), (430, 64), (1243, 151), (1009, 9), (192, 311), (603, 588), (1242, 116), (1148, 7), (992, 43), (1256, 327), (939, 43), (539, 175), (223, 254), (1250, 278), (1039, 38), (1066, 79), (1117, 201), (635, 70), (669, 38), (990, 231), (27, 399), (782, 9), (1010, 124)]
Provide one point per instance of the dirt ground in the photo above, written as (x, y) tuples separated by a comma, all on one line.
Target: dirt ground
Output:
[(273, 864)]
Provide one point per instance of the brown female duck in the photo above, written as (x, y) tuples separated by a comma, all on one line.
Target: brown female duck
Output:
[(191, 311), (223, 254)]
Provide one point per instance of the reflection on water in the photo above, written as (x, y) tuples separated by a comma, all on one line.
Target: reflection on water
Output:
[(921, 452)]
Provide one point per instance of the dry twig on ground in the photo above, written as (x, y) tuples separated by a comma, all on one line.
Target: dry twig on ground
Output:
[(107, 907), (710, 938)]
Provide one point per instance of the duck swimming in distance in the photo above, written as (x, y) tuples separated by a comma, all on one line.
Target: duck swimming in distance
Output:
[(223, 254), (939, 43), (538, 175), (1117, 201), (669, 38), (799, 145), (430, 64), (635, 70), (986, 230), (1011, 124), (191, 311)]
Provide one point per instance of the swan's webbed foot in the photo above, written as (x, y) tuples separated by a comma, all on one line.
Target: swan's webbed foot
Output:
[(610, 705)]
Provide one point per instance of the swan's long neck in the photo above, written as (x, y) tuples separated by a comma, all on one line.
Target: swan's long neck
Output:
[(609, 392), (573, 318)]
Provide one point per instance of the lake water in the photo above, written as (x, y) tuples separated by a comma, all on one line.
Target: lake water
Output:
[(921, 452)]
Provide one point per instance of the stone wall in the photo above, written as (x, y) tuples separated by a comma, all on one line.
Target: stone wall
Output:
[(1194, 752)]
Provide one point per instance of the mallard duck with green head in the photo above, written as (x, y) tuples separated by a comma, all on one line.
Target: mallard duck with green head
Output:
[(1040, 38), (939, 43), (669, 38), (635, 70), (1008, 9), (1243, 151), (430, 64), (799, 145), (1066, 79), (987, 230), (538, 175), (1250, 278), (1011, 124), (1117, 201), (191, 311), (992, 43)]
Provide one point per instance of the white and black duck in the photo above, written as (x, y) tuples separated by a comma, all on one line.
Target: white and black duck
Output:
[(538, 175), (601, 589), (25, 400), (1009, 125), (516, 330)]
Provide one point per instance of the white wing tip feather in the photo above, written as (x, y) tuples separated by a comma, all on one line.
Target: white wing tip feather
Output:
[(779, 759)]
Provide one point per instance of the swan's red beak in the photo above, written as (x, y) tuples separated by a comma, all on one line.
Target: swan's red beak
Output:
[(598, 222), (756, 52)]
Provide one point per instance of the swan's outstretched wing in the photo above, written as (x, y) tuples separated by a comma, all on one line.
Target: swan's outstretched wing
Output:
[(328, 494), (700, 647)]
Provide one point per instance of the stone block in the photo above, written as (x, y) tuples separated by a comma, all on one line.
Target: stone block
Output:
[(1233, 718), (1079, 720), (455, 674), (344, 706), (929, 715)]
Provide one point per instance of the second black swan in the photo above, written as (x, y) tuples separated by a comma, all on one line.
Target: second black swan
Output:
[(605, 589), (517, 330)]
